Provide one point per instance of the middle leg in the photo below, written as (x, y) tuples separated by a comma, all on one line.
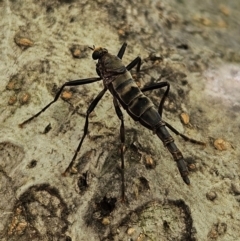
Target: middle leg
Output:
[(122, 137), (89, 110)]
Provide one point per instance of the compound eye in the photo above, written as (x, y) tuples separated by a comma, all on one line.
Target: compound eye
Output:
[(96, 55)]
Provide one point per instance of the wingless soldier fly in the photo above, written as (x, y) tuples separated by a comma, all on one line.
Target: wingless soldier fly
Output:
[(118, 80)]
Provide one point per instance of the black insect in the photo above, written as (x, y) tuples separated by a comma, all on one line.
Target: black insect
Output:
[(118, 80)]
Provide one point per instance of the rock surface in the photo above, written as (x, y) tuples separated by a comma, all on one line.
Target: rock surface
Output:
[(194, 46)]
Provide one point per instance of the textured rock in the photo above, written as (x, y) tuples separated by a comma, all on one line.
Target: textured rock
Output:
[(193, 45)]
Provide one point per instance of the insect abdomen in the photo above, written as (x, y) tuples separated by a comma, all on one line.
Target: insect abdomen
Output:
[(138, 106), (141, 109)]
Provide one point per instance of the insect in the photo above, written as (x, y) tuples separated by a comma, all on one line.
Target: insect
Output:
[(118, 80)]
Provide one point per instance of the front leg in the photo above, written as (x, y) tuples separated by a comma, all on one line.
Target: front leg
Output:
[(69, 83)]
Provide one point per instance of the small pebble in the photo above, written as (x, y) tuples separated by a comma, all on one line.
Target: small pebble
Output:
[(224, 9), (192, 167), (203, 20), (11, 84), (12, 100), (105, 221), (221, 145), (73, 170), (66, 95), (23, 42), (206, 21), (21, 227), (18, 211), (141, 237), (79, 51), (24, 98), (211, 195), (149, 163), (121, 32), (130, 231), (184, 118), (76, 53)]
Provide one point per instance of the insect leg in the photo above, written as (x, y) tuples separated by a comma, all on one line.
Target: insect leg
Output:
[(89, 110), (166, 138), (70, 83), (160, 109), (122, 50), (186, 138), (158, 86), (122, 137), (137, 61)]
